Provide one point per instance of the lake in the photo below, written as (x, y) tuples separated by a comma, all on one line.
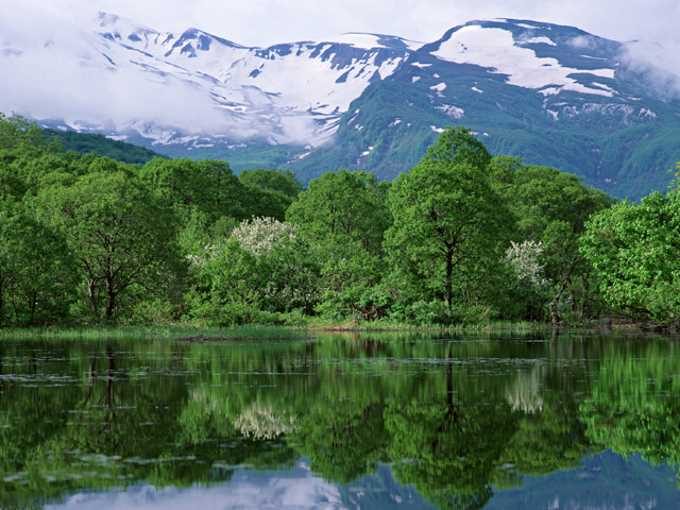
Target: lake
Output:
[(341, 421)]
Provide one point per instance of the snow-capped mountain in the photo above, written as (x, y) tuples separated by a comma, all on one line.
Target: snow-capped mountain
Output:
[(288, 93), (552, 94)]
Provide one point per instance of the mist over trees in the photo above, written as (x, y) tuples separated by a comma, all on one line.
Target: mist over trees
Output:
[(462, 237)]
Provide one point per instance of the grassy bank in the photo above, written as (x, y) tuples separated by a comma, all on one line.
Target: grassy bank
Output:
[(175, 332), (200, 333), (315, 327)]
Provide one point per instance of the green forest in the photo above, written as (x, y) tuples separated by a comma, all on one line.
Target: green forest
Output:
[(463, 237)]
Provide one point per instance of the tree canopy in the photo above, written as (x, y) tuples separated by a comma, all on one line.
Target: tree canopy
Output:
[(462, 237)]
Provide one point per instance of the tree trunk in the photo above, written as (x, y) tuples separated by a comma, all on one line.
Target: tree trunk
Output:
[(449, 278), (110, 303), (450, 405), (93, 297), (2, 302), (110, 374), (34, 304), (554, 313), (111, 296)]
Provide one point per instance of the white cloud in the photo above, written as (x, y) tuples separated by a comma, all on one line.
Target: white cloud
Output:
[(46, 82), (52, 78), (263, 22)]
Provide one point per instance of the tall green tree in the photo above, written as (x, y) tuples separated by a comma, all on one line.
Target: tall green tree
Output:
[(343, 216), (446, 215), (208, 186), (272, 191), (122, 237), (276, 181), (341, 207)]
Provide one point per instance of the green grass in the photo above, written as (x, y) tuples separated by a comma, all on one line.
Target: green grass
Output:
[(493, 327), (199, 333), (149, 332)]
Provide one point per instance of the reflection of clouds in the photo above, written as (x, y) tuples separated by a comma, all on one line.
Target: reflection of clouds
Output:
[(297, 488), (524, 393), (294, 488)]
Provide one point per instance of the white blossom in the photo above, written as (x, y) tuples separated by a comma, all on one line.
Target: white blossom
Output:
[(524, 259), (259, 235)]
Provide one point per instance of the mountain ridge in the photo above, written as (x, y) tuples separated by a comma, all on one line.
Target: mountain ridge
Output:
[(549, 93)]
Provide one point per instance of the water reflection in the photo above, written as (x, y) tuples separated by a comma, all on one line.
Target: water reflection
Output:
[(341, 422)]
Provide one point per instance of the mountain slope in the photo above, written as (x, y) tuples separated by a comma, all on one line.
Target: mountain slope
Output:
[(558, 96), (86, 143), (551, 94)]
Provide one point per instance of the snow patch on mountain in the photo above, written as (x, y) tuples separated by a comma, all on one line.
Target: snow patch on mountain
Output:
[(496, 49), (538, 40), (360, 40), (452, 111), (439, 88)]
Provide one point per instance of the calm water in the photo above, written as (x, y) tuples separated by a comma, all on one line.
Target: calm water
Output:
[(341, 422)]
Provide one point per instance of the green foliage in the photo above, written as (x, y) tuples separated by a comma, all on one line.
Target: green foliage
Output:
[(633, 249), (343, 216), (274, 191), (449, 228), (458, 146), (552, 208), (278, 181), (237, 286), (120, 235), (36, 269), (208, 186), (447, 242), (343, 207)]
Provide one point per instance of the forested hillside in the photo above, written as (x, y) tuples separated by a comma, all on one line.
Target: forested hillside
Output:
[(86, 143)]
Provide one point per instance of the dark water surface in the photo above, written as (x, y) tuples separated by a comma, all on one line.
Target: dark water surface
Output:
[(341, 422)]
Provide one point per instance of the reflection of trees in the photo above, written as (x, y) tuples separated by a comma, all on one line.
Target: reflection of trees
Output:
[(635, 404), (525, 392), (179, 414), (449, 446), (343, 440), (112, 429), (543, 441), (262, 422)]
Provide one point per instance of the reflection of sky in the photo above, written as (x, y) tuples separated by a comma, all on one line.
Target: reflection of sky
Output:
[(605, 481), (293, 489)]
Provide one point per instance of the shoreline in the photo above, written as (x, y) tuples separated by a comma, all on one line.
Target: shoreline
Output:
[(196, 333)]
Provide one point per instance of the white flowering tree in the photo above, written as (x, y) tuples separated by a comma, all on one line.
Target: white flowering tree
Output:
[(525, 260), (260, 235)]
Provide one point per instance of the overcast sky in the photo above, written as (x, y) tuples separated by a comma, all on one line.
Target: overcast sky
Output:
[(263, 22)]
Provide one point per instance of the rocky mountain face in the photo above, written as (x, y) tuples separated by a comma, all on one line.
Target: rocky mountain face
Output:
[(554, 95)]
